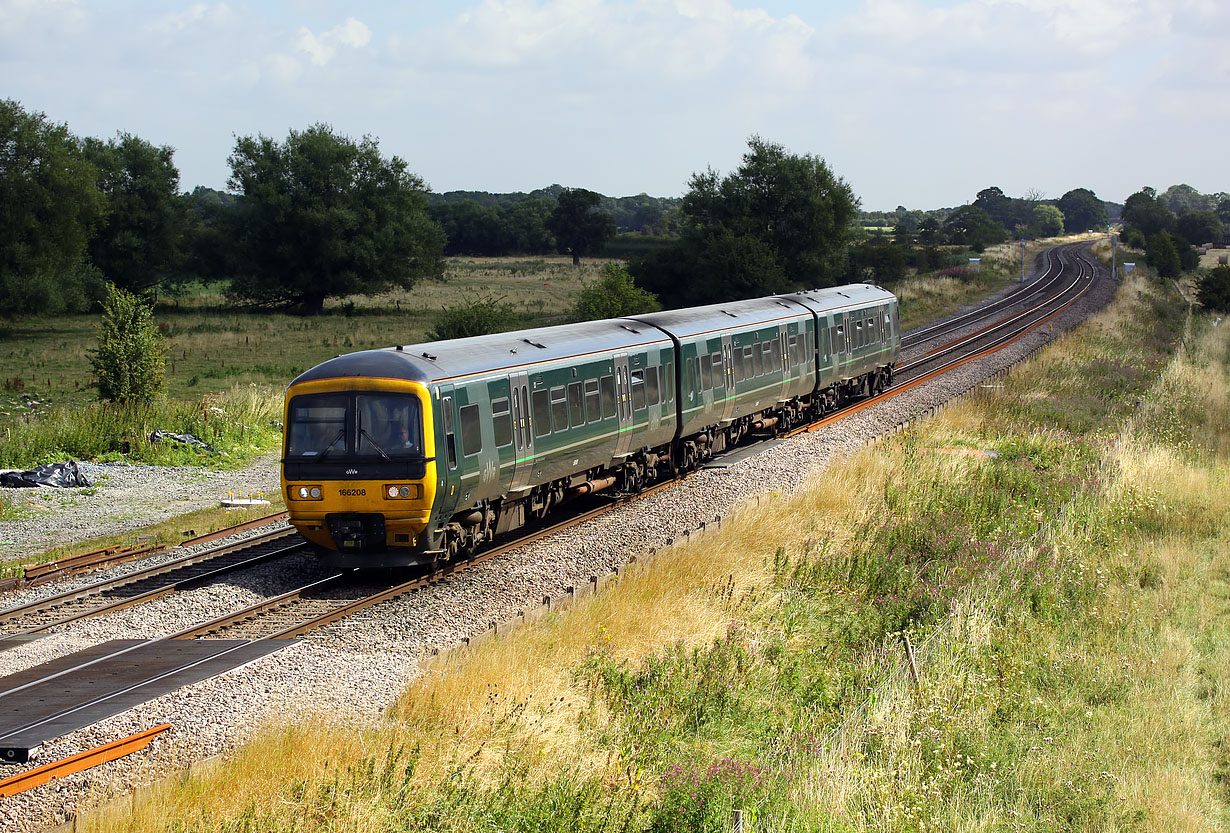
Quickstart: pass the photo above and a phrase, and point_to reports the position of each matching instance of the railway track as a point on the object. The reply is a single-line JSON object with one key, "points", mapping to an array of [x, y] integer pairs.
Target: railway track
{"points": [[337, 596], [153, 582]]}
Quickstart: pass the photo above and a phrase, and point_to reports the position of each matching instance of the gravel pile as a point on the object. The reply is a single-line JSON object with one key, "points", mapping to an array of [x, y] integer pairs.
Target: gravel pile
{"points": [[354, 669]]}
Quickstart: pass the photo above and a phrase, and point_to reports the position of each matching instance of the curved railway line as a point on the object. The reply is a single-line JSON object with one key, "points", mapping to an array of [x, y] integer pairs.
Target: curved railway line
{"points": [[1066, 276]]}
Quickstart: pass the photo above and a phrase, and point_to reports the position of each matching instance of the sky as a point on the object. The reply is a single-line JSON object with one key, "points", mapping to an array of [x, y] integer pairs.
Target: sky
{"points": [[920, 103]]}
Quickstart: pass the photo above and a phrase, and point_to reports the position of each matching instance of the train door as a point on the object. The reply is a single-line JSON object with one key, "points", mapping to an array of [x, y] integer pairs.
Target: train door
{"points": [[623, 404], [728, 377], [447, 472], [785, 361], [523, 433], [841, 340]]}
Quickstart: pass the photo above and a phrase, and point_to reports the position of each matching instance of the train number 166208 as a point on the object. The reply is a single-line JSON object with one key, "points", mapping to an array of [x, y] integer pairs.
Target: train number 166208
{"points": [[352, 492]]}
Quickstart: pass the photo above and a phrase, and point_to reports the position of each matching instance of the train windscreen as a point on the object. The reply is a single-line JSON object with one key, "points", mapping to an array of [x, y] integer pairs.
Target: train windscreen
{"points": [[354, 425]]}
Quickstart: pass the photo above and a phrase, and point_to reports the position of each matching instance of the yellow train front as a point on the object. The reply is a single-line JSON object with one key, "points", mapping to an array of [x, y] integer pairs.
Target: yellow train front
{"points": [[358, 467]]}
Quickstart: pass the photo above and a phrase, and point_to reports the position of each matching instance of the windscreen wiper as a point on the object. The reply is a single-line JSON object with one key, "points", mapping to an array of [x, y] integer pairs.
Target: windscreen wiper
{"points": [[340, 433], [375, 445]]}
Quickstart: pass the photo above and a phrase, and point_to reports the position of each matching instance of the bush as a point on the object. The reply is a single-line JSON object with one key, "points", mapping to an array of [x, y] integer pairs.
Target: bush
{"points": [[1213, 290], [130, 362], [480, 316], [613, 295]]}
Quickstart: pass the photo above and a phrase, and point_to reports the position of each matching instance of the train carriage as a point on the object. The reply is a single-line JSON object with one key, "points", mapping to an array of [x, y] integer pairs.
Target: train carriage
{"points": [[496, 430], [738, 362]]}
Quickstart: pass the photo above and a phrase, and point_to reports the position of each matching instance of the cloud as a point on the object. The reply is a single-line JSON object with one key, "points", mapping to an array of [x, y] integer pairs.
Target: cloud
{"points": [[353, 33], [18, 16], [191, 16]]}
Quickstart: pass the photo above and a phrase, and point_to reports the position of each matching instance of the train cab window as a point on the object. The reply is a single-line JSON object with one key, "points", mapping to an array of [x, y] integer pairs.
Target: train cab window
{"points": [[607, 386], [317, 425], [576, 404], [638, 390], [652, 384], [593, 402], [388, 426], [471, 431], [501, 421], [542, 413], [706, 372], [559, 408]]}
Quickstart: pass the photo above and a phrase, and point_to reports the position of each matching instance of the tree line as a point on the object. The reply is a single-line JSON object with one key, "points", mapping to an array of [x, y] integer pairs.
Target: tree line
{"points": [[320, 215]]}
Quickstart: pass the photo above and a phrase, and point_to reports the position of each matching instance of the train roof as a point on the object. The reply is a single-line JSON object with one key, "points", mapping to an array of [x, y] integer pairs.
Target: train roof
{"points": [[460, 357], [839, 297], [694, 321]]}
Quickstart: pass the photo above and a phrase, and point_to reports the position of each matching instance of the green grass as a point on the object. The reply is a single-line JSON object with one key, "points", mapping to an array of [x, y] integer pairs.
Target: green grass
{"points": [[213, 347]]}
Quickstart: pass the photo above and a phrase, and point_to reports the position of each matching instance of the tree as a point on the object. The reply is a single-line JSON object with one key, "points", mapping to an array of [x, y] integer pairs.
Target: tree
{"points": [[613, 295], [1213, 289], [130, 362], [578, 226], [1082, 211], [523, 226], [49, 207], [1223, 211], [929, 231], [792, 203], [1146, 213], [1163, 256], [1047, 221], [139, 245], [971, 226], [1004, 210], [324, 216], [1199, 227]]}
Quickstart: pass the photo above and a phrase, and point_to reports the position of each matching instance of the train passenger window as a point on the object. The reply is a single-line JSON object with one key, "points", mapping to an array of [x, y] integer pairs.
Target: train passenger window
{"points": [[638, 390], [608, 396], [450, 432], [766, 352], [668, 395], [559, 408], [757, 362], [776, 350], [719, 375], [501, 420], [795, 356], [471, 431], [593, 403], [873, 334], [652, 384], [542, 413], [706, 372], [737, 364], [576, 404]]}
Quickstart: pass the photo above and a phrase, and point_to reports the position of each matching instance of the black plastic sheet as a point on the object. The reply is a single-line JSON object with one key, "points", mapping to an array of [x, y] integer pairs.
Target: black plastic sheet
{"points": [[55, 475], [186, 439]]}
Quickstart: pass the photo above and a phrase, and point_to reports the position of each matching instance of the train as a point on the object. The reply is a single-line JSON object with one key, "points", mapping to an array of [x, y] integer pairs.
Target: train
{"points": [[423, 453]]}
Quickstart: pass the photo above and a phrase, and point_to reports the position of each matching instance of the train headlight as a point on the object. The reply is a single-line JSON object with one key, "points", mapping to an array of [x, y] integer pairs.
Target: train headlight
{"points": [[305, 492], [394, 491]]}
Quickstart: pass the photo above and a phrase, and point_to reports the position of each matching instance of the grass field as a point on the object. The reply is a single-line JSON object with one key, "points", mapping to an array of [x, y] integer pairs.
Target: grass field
{"points": [[212, 348], [1066, 596]]}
